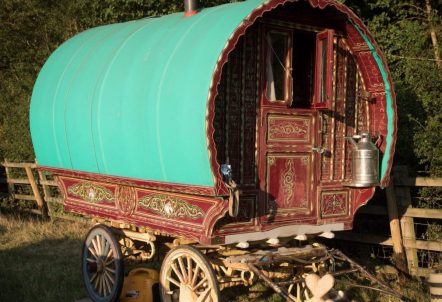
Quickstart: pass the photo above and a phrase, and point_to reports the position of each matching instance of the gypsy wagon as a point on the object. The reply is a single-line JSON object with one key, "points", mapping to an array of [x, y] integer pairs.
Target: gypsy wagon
{"points": [[214, 132]]}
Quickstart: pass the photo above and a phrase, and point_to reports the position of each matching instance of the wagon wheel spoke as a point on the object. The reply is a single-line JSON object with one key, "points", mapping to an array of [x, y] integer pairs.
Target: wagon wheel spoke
{"points": [[93, 252], [110, 270], [96, 251], [189, 269], [205, 296], [103, 245], [90, 260], [183, 270], [187, 275], [195, 276], [177, 273], [201, 283], [108, 276], [174, 282], [108, 282]]}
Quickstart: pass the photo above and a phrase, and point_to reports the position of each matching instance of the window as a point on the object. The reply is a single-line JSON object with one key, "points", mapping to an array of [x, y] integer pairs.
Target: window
{"points": [[303, 68], [278, 66], [299, 68], [324, 70]]}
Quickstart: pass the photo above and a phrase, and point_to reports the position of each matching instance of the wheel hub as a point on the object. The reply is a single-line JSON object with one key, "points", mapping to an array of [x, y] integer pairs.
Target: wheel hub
{"points": [[100, 265]]}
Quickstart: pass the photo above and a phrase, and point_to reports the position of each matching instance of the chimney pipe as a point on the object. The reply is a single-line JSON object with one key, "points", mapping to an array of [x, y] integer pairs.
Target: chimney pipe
{"points": [[190, 7]]}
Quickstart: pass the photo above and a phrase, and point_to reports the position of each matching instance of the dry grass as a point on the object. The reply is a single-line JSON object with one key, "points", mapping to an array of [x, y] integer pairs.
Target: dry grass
{"points": [[40, 260]]}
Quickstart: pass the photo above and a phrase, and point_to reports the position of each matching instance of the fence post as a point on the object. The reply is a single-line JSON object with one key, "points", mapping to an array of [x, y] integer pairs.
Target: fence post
{"points": [[407, 223], [8, 177], [46, 191], [40, 202], [395, 228]]}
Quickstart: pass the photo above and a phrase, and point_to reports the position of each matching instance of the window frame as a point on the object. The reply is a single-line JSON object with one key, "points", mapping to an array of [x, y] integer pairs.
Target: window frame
{"points": [[288, 33], [324, 87]]}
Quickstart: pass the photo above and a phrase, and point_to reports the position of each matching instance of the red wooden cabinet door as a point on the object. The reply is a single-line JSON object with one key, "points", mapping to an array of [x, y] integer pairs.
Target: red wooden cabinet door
{"points": [[287, 164]]}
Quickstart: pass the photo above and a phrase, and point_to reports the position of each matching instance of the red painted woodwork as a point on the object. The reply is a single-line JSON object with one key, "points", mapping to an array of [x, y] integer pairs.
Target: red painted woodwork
{"points": [[335, 203], [154, 185], [324, 70], [175, 214]]}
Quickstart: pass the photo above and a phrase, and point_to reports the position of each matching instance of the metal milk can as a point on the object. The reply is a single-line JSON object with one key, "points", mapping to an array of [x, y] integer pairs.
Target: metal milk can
{"points": [[365, 161]]}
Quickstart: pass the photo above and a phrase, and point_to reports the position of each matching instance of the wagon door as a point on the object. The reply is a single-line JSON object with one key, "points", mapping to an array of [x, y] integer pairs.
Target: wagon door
{"points": [[290, 126]]}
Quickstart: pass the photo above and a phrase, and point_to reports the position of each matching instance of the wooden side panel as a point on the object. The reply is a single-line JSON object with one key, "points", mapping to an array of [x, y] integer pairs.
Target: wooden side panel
{"points": [[176, 214], [235, 112], [350, 115], [235, 127]]}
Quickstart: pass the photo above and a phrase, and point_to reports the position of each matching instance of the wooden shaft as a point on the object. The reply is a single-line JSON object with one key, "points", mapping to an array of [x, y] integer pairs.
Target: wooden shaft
{"points": [[281, 291]]}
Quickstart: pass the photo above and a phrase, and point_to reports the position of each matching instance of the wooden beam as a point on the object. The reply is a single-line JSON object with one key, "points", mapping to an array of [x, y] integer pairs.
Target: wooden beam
{"points": [[435, 246], [23, 197], [404, 181], [7, 164], [422, 213], [18, 181], [403, 197], [395, 228]]}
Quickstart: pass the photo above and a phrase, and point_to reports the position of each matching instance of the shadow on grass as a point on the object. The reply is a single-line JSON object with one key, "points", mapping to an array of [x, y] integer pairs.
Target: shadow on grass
{"points": [[48, 270]]}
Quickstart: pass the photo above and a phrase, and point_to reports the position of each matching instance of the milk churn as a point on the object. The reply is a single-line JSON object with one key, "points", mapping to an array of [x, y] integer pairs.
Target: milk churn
{"points": [[365, 161]]}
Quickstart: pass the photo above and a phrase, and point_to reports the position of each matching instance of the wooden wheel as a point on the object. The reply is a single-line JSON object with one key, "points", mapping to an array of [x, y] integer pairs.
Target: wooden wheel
{"points": [[102, 265], [187, 276]]}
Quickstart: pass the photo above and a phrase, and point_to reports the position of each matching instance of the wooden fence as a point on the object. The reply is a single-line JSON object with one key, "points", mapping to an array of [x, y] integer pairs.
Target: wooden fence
{"points": [[403, 226], [26, 183]]}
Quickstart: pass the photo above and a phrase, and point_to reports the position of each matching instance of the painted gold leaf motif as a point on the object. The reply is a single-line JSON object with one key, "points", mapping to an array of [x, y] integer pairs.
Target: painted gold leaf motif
{"points": [[91, 192], [287, 128], [288, 182], [126, 200], [171, 207], [334, 204]]}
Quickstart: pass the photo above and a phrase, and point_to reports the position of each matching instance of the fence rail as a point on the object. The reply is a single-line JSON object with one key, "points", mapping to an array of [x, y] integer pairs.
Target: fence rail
{"points": [[402, 238]]}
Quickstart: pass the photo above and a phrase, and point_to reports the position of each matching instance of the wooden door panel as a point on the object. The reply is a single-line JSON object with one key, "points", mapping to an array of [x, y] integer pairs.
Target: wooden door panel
{"points": [[289, 179], [289, 129]]}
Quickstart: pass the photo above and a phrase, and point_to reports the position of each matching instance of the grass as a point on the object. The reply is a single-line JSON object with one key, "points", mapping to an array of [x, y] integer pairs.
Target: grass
{"points": [[40, 261]]}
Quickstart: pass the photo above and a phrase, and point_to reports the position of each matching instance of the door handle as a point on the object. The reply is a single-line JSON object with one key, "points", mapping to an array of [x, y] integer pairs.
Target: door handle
{"points": [[318, 149]]}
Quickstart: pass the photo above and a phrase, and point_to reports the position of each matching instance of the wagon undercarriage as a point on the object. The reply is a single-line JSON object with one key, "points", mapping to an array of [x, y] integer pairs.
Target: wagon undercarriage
{"points": [[194, 272]]}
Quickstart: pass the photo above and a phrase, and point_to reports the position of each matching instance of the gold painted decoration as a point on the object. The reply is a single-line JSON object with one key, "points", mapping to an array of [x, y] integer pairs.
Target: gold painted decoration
{"points": [[171, 207], [126, 200], [288, 182], [91, 192], [334, 204], [283, 129]]}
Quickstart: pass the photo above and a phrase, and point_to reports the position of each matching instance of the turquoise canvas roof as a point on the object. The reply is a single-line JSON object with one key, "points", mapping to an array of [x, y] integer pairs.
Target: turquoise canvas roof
{"points": [[130, 99]]}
